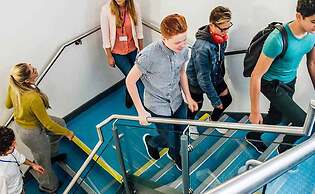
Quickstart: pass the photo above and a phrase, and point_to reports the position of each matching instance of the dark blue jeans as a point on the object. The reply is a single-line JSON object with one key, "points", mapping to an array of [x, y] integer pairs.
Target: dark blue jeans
{"points": [[169, 134], [125, 62], [281, 107]]}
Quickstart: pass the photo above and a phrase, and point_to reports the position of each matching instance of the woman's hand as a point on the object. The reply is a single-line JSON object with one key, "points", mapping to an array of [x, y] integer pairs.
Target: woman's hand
{"points": [[38, 168], [70, 136], [111, 61]]}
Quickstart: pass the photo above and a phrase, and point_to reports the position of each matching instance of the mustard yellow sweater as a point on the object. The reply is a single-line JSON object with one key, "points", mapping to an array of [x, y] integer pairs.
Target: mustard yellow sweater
{"points": [[30, 112]]}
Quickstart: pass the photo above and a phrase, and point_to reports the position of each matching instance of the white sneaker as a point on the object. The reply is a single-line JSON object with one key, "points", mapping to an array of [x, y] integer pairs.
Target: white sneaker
{"points": [[222, 131], [193, 132]]}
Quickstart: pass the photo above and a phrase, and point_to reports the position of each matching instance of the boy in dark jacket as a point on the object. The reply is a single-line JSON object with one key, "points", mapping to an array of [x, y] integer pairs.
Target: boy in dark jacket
{"points": [[205, 69]]}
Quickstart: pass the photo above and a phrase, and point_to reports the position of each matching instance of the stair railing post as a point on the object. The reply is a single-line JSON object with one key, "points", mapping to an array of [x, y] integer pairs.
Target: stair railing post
{"points": [[309, 121], [120, 158], [185, 163]]}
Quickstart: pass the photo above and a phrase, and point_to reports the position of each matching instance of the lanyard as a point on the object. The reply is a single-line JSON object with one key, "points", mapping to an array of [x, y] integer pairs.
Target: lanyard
{"points": [[124, 19], [9, 161]]}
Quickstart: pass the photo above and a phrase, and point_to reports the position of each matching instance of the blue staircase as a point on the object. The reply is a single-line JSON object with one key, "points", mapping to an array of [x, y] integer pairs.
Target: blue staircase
{"points": [[213, 158]]}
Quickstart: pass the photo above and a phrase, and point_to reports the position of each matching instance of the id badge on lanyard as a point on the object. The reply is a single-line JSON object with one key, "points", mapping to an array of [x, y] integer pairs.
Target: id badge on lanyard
{"points": [[123, 37]]}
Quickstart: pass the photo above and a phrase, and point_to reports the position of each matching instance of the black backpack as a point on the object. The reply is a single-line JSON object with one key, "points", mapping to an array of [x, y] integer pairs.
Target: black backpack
{"points": [[257, 43]]}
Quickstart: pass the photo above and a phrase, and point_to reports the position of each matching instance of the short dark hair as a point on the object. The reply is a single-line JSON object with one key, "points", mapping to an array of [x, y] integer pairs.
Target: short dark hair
{"points": [[306, 7], [7, 138], [220, 13]]}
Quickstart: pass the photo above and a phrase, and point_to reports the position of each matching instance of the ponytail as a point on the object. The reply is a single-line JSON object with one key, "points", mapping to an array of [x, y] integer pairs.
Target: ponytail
{"points": [[19, 74]]}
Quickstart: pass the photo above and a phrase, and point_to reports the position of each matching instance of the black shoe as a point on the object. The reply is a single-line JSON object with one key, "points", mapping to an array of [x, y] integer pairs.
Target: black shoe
{"points": [[152, 152], [288, 142], [282, 148], [128, 100], [177, 160], [256, 143], [59, 157]]}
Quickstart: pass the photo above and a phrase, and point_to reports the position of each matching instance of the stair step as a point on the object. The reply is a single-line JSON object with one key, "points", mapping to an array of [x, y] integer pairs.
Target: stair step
{"points": [[71, 173], [166, 170], [229, 168], [212, 154]]}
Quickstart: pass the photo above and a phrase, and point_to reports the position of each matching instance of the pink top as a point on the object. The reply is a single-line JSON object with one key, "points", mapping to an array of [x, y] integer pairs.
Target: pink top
{"points": [[108, 26], [126, 46]]}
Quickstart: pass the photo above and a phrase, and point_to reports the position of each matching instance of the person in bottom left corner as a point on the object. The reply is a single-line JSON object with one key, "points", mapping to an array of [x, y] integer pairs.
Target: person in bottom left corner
{"points": [[11, 181], [40, 132]]}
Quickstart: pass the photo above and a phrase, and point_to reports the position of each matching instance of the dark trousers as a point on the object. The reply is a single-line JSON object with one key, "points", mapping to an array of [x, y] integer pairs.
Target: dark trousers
{"points": [[216, 114], [281, 107], [125, 62], [169, 134]]}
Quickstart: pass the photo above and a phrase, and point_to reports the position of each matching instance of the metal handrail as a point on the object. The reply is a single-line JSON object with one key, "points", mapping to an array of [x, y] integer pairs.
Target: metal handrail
{"points": [[42, 74], [305, 130], [263, 174]]}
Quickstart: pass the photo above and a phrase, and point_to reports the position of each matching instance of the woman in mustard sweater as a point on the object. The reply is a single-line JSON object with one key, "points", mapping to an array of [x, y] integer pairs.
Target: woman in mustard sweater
{"points": [[39, 131]]}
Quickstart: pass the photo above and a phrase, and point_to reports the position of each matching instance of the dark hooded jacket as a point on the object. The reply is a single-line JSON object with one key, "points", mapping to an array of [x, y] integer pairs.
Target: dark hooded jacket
{"points": [[206, 65]]}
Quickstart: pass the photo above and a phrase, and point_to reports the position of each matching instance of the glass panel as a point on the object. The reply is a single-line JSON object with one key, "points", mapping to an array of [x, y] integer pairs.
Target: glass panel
{"points": [[220, 156], [137, 161], [243, 154], [299, 179], [97, 179]]}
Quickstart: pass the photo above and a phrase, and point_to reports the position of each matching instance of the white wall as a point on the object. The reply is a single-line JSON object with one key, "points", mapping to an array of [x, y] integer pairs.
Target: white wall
{"points": [[249, 16], [32, 31]]}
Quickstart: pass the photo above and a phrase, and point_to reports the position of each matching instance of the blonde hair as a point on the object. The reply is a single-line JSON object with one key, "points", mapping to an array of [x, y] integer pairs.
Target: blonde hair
{"points": [[130, 5], [20, 73], [172, 25]]}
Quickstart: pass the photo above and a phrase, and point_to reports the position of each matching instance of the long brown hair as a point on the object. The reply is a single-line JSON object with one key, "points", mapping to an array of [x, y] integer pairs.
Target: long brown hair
{"points": [[130, 5], [19, 75]]}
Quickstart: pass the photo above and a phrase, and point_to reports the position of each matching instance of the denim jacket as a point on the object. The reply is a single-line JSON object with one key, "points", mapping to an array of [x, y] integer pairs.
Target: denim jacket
{"points": [[206, 66]]}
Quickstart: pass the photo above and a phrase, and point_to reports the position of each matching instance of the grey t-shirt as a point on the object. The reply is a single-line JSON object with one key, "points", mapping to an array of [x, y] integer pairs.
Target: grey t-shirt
{"points": [[160, 69]]}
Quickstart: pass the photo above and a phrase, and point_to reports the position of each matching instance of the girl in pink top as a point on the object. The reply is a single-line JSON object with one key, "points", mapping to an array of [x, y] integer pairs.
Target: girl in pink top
{"points": [[122, 35]]}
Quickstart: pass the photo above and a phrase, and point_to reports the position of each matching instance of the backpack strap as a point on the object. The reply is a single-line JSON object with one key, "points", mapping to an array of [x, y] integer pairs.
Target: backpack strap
{"points": [[284, 35]]}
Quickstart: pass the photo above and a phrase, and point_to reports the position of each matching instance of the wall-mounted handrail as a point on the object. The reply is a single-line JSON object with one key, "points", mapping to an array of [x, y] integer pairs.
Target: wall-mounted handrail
{"points": [[43, 73], [236, 126], [263, 174], [76, 40]]}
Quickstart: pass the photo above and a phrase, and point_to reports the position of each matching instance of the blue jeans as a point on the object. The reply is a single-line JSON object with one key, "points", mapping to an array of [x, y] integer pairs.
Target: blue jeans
{"points": [[169, 134], [125, 62]]}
